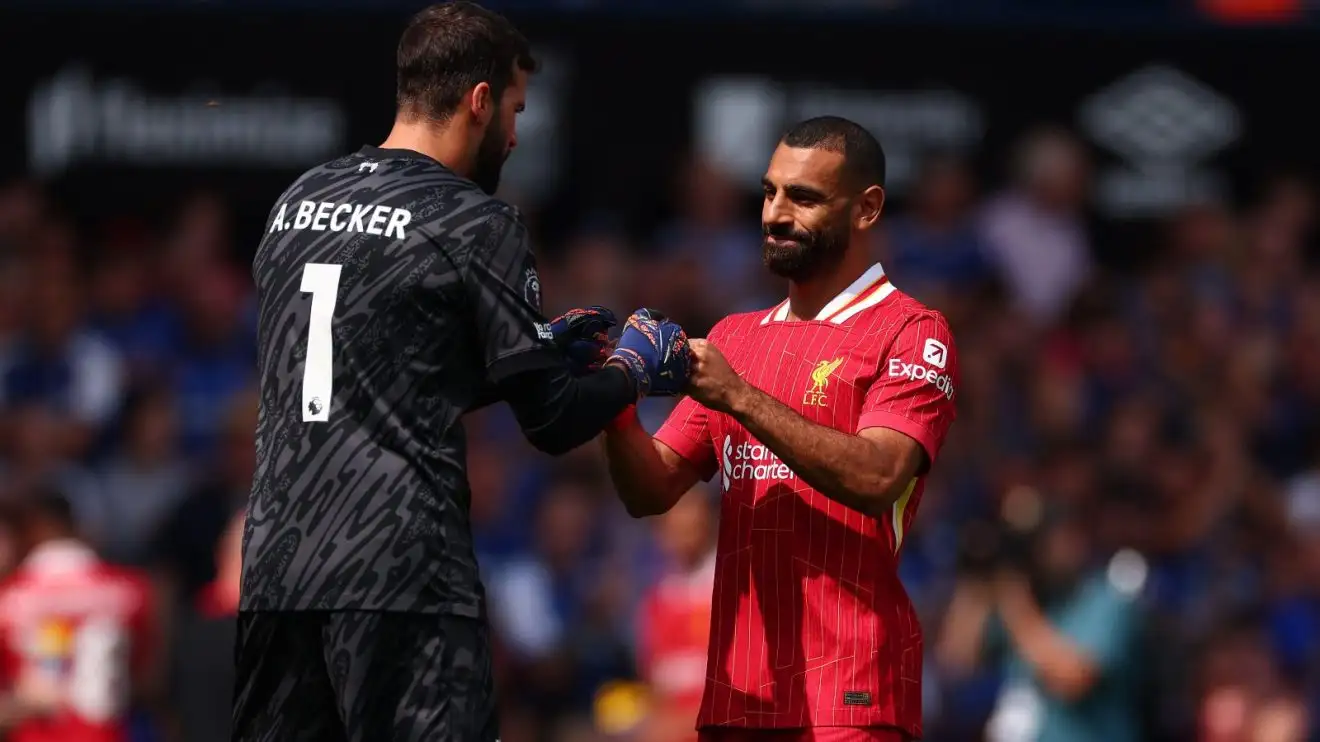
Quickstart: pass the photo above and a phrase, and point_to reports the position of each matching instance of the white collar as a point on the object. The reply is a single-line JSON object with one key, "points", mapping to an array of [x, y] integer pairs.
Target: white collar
{"points": [[842, 306]]}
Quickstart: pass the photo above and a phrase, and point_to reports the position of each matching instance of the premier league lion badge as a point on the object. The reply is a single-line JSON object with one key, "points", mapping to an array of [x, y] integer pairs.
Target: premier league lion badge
{"points": [[532, 288]]}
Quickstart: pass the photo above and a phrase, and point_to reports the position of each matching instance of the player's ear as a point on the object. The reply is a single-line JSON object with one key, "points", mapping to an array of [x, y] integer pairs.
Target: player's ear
{"points": [[483, 103], [868, 207]]}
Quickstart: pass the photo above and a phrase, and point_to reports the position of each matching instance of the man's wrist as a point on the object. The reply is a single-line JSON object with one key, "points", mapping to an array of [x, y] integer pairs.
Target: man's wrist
{"points": [[631, 365], [741, 398], [623, 420], [622, 366]]}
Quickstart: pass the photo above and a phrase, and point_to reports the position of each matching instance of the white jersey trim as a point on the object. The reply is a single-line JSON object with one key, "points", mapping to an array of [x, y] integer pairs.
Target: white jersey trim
{"points": [[855, 289]]}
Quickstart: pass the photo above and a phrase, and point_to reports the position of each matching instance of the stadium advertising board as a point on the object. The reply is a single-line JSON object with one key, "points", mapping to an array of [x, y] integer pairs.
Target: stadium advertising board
{"points": [[75, 119], [243, 103]]}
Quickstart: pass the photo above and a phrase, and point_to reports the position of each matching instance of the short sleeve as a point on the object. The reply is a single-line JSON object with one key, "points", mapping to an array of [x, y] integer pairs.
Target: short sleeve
{"points": [[504, 294], [687, 431], [914, 389]]}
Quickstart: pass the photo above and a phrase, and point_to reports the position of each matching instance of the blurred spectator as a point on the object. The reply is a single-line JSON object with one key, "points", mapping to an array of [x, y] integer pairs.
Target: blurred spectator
{"points": [[216, 358], [187, 542], [76, 632], [553, 609], [202, 666], [675, 627], [23, 211], [144, 480], [127, 310], [11, 294], [716, 240], [594, 264], [214, 352], [1243, 695], [57, 364], [1068, 635], [1035, 232], [34, 459], [934, 245]]}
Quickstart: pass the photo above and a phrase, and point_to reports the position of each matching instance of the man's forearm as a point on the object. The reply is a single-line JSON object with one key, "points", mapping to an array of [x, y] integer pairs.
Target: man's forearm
{"points": [[646, 485], [962, 637], [1062, 667], [559, 412], [842, 466]]}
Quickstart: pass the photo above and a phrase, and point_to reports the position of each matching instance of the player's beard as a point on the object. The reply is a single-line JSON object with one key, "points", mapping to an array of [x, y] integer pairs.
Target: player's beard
{"points": [[814, 253], [491, 154]]}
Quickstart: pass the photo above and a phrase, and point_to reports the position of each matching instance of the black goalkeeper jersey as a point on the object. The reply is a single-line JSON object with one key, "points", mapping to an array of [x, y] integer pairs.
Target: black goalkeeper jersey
{"points": [[393, 294]]}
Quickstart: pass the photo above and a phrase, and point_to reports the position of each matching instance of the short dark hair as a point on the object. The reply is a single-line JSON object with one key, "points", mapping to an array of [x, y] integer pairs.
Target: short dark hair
{"points": [[448, 48], [863, 158]]}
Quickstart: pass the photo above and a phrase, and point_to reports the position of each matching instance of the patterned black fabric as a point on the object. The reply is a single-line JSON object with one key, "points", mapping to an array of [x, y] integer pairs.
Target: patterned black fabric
{"points": [[362, 676], [392, 295]]}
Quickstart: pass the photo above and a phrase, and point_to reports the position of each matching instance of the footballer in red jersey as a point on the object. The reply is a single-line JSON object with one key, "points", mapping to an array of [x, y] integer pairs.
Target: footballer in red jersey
{"points": [[820, 418], [73, 634]]}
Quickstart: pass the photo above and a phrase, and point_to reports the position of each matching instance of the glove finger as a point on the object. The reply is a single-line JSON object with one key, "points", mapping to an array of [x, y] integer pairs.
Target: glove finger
{"points": [[583, 323], [595, 327], [639, 323], [605, 314], [651, 314]]}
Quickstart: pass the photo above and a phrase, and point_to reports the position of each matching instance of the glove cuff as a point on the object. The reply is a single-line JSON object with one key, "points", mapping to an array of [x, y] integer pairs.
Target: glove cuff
{"points": [[633, 364]]}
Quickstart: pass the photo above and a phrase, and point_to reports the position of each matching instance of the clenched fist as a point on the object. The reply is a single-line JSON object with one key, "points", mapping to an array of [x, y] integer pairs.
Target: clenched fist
{"points": [[712, 381]]}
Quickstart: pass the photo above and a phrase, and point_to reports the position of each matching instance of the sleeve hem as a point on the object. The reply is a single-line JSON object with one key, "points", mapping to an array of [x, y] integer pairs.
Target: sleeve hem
{"points": [[911, 428], [691, 450]]}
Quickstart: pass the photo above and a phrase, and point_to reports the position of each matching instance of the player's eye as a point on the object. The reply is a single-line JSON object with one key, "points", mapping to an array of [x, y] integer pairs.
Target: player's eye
{"points": [[804, 196]]}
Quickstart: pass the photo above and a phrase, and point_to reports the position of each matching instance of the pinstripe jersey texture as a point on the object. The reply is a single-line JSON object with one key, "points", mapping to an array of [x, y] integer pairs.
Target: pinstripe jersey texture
{"points": [[391, 293], [810, 625]]}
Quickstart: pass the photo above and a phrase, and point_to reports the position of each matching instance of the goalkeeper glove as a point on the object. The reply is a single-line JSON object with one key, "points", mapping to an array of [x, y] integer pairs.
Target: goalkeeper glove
{"points": [[583, 336], [654, 351]]}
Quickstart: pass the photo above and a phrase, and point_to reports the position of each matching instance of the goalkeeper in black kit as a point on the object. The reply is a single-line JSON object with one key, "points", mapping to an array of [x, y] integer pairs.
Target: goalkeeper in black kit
{"points": [[395, 294]]}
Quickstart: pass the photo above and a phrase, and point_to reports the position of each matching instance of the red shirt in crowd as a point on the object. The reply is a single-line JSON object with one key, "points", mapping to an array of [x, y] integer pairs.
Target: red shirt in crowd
{"points": [[78, 626], [675, 638]]}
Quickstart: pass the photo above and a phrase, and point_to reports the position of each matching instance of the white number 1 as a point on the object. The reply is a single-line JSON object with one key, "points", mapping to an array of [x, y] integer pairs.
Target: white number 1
{"points": [[321, 280]]}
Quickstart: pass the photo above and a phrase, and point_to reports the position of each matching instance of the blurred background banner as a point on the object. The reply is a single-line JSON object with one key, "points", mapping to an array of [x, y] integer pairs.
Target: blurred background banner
{"points": [[1113, 202], [241, 102], [1090, 13]]}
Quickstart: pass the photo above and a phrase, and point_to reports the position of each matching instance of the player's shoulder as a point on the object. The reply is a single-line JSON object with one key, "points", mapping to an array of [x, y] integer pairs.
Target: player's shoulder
{"points": [[913, 309], [397, 177], [735, 327], [899, 312]]}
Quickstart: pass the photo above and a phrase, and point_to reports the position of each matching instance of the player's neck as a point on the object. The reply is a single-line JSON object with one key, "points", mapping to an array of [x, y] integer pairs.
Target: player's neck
{"points": [[440, 143], [807, 298]]}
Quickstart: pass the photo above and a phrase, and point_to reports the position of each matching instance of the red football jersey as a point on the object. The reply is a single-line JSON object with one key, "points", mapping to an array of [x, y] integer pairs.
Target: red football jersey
{"points": [[74, 623], [675, 638], [810, 624]]}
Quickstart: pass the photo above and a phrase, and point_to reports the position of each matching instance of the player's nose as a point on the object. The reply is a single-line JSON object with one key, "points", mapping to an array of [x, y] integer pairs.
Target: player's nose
{"points": [[776, 211]]}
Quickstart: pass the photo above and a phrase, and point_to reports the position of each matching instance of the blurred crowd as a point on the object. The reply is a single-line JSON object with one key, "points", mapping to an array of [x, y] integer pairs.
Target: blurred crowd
{"points": [[1156, 393]]}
